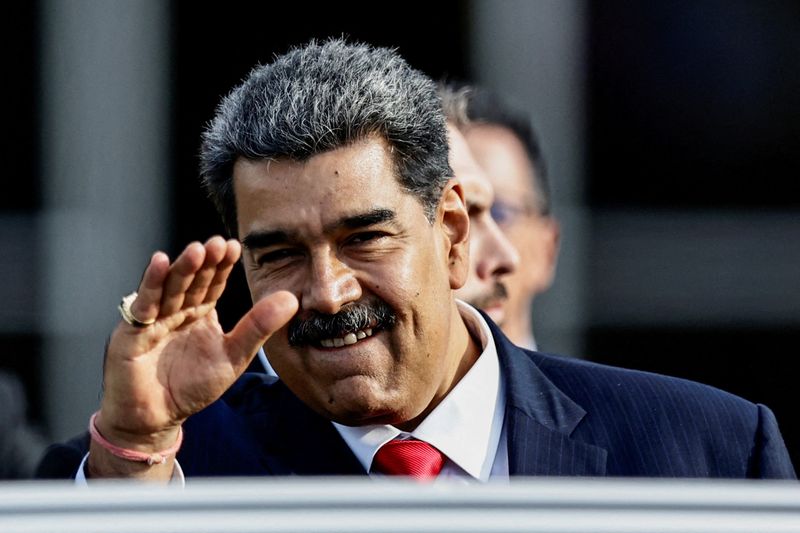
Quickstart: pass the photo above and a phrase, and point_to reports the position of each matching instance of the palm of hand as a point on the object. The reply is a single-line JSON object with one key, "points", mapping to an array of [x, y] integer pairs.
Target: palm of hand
{"points": [[166, 374], [157, 376]]}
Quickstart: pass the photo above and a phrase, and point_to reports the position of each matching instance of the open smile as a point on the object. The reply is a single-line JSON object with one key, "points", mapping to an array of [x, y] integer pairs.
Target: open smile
{"points": [[349, 339]]}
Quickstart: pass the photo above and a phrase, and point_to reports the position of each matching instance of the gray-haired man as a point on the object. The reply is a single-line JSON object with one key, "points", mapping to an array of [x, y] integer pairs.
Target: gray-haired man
{"points": [[330, 167]]}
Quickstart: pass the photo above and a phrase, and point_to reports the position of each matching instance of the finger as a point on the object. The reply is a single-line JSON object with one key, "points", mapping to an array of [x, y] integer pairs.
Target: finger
{"points": [[266, 317], [215, 253], [217, 285], [180, 277], [147, 303]]}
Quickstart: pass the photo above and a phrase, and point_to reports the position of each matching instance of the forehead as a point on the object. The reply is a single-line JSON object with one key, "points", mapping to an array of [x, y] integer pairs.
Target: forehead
{"points": [[477, 187], [306, 196], [503, 156]]}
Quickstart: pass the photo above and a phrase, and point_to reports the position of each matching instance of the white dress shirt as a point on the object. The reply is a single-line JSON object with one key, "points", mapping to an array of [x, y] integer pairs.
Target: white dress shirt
{"points": [[262, 357]]}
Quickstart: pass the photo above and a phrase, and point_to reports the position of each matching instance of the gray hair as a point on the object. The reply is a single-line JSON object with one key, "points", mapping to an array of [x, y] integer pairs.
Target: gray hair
{"points": [[324, 96], [455, 103]]}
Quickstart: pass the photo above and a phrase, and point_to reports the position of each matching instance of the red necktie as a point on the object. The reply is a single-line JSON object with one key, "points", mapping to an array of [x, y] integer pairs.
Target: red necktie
{"points": [[408, 457]]}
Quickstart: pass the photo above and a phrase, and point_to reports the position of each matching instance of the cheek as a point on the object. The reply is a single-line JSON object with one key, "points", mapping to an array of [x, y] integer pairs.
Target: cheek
{"points": [[414, 285], [255, 282], [476, 252], [260, 285], [527, 242], [256, 291], [397, 279], [397, 288]]}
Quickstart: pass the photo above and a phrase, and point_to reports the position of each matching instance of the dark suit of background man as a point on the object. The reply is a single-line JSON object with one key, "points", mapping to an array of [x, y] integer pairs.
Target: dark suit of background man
{"points": [[330, 168]]}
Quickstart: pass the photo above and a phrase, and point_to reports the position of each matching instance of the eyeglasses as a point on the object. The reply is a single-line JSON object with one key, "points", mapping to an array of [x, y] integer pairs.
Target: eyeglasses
{"points": [[506, 213]]}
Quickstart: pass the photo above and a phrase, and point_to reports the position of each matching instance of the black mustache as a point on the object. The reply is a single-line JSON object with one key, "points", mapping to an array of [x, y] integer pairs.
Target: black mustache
{"points": [[499, 292], [354, 317]]}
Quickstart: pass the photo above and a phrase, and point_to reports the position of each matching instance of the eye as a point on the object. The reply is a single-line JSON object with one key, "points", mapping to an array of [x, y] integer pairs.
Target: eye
{"points": [[506, 214], [365, 237], [501, 213], [276, 256]]}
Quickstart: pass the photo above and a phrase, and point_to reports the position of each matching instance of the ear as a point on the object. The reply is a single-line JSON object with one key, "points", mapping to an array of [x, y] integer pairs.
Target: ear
{"points": [[454, 219]]}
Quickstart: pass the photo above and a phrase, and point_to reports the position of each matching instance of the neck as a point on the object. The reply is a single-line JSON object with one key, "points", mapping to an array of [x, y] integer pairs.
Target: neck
{"points": [[518, 327]]}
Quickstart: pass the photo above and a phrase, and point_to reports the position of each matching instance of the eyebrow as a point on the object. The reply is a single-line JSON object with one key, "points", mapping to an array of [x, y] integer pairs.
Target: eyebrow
{"points": [[376, 216], [264, 239]]}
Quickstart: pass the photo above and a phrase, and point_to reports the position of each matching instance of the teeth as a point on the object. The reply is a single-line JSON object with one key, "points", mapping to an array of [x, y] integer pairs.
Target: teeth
{"points": [[350, 338]]}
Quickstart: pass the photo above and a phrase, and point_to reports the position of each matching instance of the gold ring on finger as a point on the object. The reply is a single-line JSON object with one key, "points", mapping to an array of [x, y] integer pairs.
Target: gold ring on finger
{"points": [[127, 315]]}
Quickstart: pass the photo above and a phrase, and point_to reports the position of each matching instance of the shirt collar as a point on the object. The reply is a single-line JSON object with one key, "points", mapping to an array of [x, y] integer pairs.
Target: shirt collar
{"points": [[465, 426]]}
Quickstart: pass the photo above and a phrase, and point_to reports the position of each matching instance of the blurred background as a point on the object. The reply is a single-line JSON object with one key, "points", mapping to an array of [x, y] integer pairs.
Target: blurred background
{"points": [[671, 132]]}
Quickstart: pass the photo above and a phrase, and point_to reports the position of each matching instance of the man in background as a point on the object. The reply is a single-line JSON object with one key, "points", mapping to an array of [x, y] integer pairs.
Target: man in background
{"points": [[492, 258], [505, 146]]}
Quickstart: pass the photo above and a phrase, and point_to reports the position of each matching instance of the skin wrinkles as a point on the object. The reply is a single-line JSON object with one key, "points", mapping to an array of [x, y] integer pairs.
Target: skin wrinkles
{"points": [[360, 238]]}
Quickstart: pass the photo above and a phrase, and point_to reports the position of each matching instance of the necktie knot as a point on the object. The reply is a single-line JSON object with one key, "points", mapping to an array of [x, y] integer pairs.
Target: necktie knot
{"points": [[409, 457]]}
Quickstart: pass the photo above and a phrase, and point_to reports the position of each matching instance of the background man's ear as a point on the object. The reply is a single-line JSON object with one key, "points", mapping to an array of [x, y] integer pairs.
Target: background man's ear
{"points": [[454, 218], [553, 236]]}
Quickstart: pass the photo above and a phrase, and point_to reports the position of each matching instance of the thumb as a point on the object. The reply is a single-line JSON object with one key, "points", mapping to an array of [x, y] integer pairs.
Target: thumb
{"points": [[267, 316]]}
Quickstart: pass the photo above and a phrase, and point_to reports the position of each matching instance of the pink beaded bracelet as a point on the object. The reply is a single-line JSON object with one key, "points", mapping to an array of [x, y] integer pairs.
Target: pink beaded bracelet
{"points": [[132, 455]]}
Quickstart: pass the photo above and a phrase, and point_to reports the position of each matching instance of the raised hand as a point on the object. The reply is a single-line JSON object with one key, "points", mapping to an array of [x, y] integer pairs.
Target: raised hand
{"points": [[157, 376]]}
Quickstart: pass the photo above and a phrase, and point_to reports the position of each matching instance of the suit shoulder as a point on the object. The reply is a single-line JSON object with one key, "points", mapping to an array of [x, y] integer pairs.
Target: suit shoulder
{"points": [[651, 396], [654, 424], [61, 460], [697, 429]]}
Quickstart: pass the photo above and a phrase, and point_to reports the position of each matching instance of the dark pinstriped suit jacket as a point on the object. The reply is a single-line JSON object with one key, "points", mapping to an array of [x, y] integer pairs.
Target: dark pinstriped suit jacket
{"points": [[564, 417]]}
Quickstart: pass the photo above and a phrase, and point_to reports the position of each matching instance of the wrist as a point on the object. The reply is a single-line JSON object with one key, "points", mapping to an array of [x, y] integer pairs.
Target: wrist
{"points": [[135, 427], [152, 448]]}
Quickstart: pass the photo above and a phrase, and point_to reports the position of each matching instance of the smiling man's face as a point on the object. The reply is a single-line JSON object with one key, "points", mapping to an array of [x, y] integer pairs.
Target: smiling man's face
{"points": [[377, 338]]}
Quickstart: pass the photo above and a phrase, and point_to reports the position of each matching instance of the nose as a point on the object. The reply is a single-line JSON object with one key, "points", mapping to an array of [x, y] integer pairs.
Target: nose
{"points": [[331, 284], [499, 256]]}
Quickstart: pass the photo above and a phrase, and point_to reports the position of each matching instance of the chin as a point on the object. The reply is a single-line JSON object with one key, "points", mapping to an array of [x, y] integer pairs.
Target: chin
{"points": [[496, 313], [363, 415], [362, 419], [357, 401]]}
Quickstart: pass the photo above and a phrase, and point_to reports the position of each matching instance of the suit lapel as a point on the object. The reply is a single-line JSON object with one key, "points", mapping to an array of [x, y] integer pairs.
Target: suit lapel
{"points": [[540, 419], [536, 450]]}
